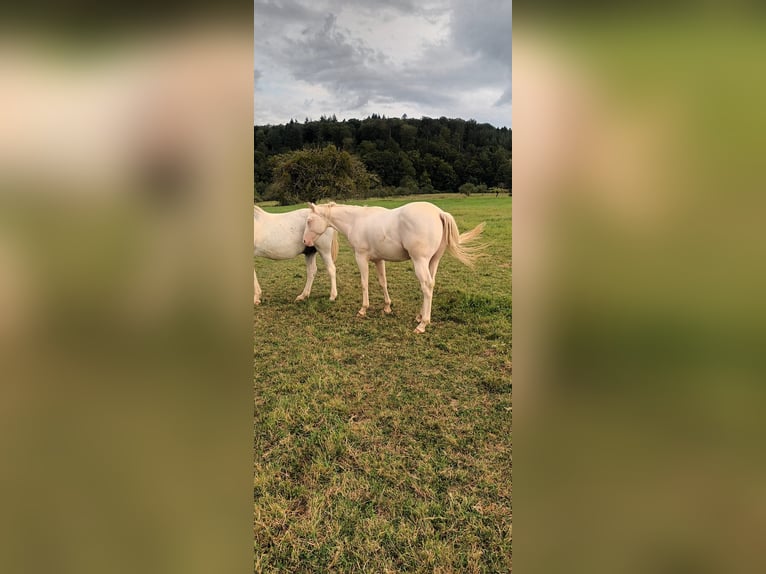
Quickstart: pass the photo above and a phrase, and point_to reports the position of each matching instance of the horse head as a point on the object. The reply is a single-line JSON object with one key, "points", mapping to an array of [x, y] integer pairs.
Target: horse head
{"points": [[316, 223]]}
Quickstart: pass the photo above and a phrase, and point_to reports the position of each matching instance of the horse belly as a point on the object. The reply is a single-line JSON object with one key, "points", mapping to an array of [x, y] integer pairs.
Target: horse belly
{"points": [[282, 244], [389, 252]]}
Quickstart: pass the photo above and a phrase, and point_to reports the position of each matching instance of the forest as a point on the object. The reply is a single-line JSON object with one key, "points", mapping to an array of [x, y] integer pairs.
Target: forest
{"points": [[403, 155]]}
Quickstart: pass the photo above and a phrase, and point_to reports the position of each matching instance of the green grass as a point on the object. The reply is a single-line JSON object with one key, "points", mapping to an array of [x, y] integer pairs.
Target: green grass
{"points": [[377, 449]]}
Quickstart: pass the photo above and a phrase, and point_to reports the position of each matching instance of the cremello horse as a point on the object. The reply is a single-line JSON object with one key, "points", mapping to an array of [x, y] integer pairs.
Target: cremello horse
{"points": [[280, 236], [419, 231]]}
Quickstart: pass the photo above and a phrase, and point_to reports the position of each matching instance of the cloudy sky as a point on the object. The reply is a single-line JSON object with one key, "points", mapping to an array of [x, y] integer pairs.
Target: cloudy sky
{"points": [[353, 58]]}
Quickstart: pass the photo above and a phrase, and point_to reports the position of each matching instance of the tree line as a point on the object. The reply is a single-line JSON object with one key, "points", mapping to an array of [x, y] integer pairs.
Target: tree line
{"points": [[379, 156]]}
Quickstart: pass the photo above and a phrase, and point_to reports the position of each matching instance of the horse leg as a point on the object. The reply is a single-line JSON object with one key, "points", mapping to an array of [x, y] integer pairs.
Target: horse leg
{"points": [[256, 290], [330, 265], [311, 271], [427, 287], [364, 272], [380, 267], [433, 266]]}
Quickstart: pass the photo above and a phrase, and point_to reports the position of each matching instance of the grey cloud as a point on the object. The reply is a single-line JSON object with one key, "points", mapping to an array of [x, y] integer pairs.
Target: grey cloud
{"points": [[505, 99], [304, 39], [331, 57], [424, 8], [294, 11], [485, 31], [281, 10]]}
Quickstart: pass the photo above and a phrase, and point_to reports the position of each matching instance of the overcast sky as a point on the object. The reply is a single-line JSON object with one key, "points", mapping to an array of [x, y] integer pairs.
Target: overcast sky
{"points": [[353, 58]]}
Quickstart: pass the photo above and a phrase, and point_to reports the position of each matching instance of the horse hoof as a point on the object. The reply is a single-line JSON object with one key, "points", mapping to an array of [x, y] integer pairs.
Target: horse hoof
{"points": [[257, 302], [299, 298], [420, 329], [387, 310]]}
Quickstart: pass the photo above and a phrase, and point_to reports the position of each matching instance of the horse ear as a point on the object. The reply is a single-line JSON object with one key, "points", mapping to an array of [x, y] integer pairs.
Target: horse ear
{"points": [[313, 207]]}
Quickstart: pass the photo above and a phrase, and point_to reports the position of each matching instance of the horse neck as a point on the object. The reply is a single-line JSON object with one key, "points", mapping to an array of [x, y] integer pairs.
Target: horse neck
{"points": [[342, 217]]}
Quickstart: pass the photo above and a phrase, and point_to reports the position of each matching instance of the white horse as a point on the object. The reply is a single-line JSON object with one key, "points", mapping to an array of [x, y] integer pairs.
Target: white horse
{"points": [[280, 236], [419, 231]]}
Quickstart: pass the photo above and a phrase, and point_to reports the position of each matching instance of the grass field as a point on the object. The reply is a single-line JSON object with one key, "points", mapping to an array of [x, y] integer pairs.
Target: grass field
{"points": [[377, 449]]}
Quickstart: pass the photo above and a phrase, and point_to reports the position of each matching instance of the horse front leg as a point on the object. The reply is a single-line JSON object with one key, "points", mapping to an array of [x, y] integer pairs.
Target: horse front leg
{"points": [[380, 267], [256, 290], [330, 265], [364, 273], [311, 271], [427, 287]]}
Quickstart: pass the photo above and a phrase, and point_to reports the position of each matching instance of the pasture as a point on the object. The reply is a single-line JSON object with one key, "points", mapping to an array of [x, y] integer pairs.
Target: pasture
{"points": [[378, 449]]}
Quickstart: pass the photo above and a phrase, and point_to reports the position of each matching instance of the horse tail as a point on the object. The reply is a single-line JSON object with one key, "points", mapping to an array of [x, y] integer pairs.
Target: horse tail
{"points": [[334, 248], [457, 242]]}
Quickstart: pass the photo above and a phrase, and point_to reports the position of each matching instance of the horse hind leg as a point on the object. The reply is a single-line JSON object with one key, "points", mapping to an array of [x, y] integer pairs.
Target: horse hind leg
{"points": [[256, 290], [433, 265], [364, 275], [331, 271], [380, 268], [423, 274], [311, 271]]}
